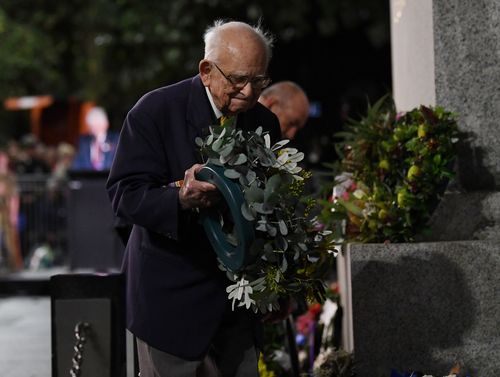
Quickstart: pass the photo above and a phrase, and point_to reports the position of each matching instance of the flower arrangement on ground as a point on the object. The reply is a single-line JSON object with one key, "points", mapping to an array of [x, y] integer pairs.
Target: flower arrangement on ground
{"points": [[292, 252], [392, 171]]}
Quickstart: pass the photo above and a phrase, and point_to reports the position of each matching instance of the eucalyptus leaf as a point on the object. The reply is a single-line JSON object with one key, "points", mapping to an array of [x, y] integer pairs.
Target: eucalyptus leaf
{"points": [[254, 194], [284, 265], [243, 180], [261, 227], [312, 259], [271, 200], [223, 132], [271, 230], [281, 243], [296, 255], [277, 277], [217, 145], [283, 227], [231, 173], [260, 208], [251, 175], [223, 159], [227, 149], [214, 161], [247, 213], [267, 140], [273, 183], [238, 160], [198, 141]]}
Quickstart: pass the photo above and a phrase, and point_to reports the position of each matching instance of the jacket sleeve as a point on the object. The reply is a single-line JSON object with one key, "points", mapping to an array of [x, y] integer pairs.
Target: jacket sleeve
{"points": [[138, 181]]}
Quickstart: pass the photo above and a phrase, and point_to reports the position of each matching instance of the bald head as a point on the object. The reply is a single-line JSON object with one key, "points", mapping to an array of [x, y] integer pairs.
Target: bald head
{"points": [[234, 68], [233, 37], [290, 104]]}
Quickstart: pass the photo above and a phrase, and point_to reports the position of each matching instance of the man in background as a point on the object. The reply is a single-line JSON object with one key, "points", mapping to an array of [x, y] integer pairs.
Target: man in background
{"points": [[289, 102], [97, 148]]}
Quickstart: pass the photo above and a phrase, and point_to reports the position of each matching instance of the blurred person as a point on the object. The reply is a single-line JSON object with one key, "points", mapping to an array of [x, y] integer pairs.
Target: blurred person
{"points": [[177, 304], [65, 154], [10, 248], [96, 149], [290, 104], [28, 160]]}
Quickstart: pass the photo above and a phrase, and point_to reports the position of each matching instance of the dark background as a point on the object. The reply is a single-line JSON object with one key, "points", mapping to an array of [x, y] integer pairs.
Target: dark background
{"points": [[113, 51]]}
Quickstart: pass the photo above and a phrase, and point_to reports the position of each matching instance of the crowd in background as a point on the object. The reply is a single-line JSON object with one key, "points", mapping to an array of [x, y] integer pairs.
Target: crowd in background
{"points": [[33, 178]]}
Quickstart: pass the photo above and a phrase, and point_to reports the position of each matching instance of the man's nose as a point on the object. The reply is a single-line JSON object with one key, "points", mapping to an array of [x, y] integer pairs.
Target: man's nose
{"points": [[248, 89]]}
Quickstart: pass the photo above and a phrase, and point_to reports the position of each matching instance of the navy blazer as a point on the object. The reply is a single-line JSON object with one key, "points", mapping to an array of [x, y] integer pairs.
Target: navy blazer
{"points": [[176, 295]]}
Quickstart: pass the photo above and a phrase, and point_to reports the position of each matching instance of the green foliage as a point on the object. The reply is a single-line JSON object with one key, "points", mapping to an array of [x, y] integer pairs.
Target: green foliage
{"points": [[27, 62], [335, 363], [114, 51], [291, 252], [394, 169]]}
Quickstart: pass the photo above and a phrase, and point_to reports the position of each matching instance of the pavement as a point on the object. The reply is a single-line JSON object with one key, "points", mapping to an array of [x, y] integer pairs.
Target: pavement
{"points": [[25, 345], [25, 325]]}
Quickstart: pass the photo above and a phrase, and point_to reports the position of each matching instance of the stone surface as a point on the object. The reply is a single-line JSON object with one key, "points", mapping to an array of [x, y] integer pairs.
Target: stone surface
{"points": [[467, 74], [465, 216], [467, 82], [25, 348], [425, 306]]}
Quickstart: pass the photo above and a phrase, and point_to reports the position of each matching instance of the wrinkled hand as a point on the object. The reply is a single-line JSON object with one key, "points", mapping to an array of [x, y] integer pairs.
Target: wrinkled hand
{"points": [[197, 194]]}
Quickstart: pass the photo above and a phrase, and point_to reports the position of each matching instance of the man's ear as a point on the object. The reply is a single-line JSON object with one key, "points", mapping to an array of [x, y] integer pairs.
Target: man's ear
{"points": [[205, 69]]}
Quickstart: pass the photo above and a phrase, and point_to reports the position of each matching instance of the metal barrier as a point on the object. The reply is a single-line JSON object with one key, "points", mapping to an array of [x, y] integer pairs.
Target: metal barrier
{"points": [[42, 219]]}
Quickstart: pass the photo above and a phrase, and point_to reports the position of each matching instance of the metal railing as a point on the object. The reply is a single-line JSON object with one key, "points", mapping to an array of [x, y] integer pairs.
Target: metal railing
{"points": [[42, 216]]}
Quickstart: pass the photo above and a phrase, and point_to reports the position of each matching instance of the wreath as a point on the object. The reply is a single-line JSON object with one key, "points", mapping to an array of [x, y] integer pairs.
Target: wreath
{"points": [[393, 169], [289, 253]]}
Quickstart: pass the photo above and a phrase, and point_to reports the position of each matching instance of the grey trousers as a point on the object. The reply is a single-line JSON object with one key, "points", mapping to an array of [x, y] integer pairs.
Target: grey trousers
{"points": [[232, 354]]}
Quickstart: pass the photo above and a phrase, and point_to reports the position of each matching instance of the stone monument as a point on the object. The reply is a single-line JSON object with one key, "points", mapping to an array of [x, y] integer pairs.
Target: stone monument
{"points": [[428, 305]]}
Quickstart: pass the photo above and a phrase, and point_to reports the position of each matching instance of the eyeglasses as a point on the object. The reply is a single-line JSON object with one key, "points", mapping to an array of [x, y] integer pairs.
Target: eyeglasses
{"points": [[239, 82]]}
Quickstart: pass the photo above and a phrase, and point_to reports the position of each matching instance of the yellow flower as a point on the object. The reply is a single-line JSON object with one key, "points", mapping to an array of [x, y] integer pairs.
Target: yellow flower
{"points": [[413, 172], [263, 371], [403, 198], [382, 214], [384, 165], [422, 130]]}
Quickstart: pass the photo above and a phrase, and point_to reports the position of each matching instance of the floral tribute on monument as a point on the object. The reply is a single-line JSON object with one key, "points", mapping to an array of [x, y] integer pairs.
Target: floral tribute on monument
{"points": [[394, 167], [290, 253]]}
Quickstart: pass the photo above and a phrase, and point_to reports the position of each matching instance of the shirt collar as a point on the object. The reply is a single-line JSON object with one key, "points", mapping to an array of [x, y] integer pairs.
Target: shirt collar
{"points": [[217, 112]]}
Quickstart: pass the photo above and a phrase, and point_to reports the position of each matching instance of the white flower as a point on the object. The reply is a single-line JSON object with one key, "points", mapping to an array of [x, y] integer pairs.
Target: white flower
{"points": [[287, 160], [343, 181], [240, 291], [329, 310], [359, 194]]}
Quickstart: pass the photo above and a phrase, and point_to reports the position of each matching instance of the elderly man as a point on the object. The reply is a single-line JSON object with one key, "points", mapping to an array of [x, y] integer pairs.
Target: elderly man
{"points": [[290, 104], [176, 299]]}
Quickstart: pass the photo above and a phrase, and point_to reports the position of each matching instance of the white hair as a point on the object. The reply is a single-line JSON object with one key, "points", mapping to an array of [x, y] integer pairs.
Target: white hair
{"points": [[212, 34], [96, 115]]}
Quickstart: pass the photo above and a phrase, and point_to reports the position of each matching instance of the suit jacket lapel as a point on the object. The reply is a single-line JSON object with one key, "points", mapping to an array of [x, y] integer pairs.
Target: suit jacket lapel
{"points": [[199, 113]]}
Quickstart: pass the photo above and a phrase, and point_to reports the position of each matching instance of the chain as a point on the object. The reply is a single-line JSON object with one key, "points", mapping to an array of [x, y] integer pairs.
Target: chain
{"points": [[80, 332]]}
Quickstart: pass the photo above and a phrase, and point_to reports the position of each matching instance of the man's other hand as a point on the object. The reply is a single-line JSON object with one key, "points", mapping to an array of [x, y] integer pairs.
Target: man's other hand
{"points": [[197, 194]]}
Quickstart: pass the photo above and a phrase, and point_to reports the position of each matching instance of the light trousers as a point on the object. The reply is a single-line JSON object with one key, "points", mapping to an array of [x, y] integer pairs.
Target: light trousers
{"points": [[231, 354]]}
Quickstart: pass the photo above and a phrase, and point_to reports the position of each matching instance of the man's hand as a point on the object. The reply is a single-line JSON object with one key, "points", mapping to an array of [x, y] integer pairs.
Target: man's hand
{"points": [[197, 194]]}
